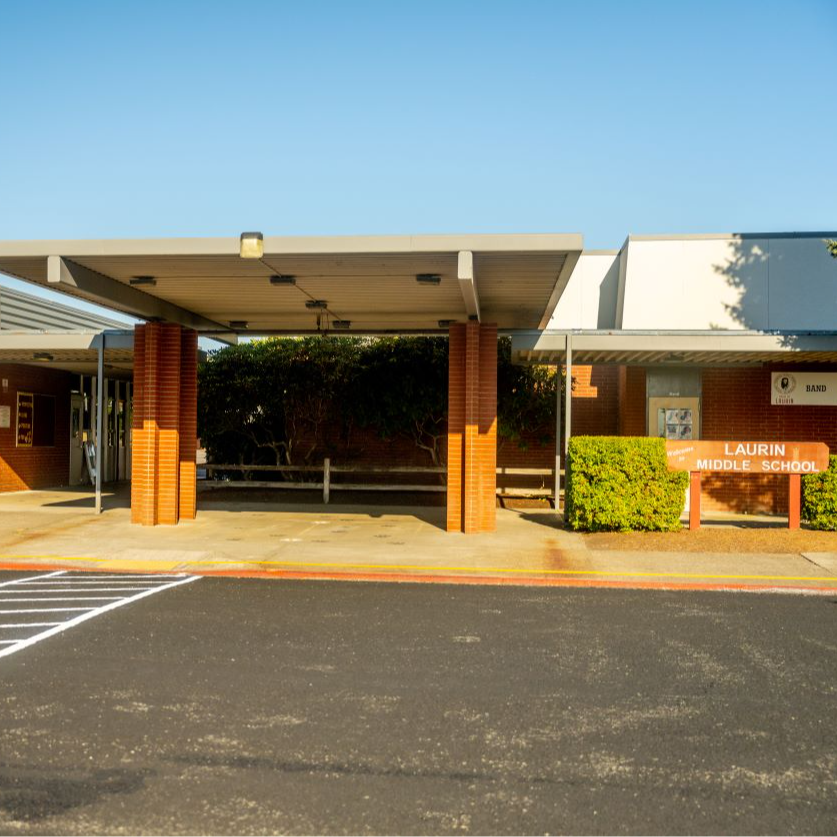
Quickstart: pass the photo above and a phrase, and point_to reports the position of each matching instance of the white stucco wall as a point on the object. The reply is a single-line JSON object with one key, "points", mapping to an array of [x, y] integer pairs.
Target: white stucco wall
{"points": [[728, 282], [589, 300]]}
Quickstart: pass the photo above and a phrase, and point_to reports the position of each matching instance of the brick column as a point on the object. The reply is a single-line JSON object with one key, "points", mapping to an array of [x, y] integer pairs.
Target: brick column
{"points": [[472, 428], [165, 411], [188, 477]]}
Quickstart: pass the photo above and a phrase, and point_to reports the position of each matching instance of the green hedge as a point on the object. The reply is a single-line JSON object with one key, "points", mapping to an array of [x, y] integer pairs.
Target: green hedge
{"points": [[819, 497], [617, 483]]}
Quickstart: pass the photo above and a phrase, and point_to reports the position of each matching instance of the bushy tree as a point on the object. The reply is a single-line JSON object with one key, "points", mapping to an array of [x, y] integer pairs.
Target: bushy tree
{"points": [[270, 402], [258, 400], [526, 399], [401, 389]]}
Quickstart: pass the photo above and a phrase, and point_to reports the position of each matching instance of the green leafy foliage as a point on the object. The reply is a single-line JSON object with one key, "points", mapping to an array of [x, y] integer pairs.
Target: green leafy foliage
{"points": [[526, 399], [401, 389], [278, 401], [831, 244], [259, 400], [819, 497], [622, 484]]}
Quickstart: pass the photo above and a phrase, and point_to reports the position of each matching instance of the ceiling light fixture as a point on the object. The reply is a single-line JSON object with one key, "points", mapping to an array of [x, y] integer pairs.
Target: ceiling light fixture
{"points": [[281, 279], [251, 245], [428, 278], [238, 323], [42, 356], [316, 303], [142, 280]]}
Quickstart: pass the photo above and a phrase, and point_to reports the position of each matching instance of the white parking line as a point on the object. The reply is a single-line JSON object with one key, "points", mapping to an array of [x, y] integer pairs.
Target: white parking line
{"points": [[44, 610], [29, 578], [59, 581], [29, 624], [12, 646], [79, 590], [64, 599]]}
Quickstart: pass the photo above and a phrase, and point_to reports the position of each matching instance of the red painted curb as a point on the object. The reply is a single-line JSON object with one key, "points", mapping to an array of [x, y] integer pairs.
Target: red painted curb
{"points": [[406, 578]]}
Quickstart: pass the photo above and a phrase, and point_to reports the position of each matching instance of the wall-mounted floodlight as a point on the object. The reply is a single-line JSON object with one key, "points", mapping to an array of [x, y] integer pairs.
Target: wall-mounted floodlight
{"points": [[428, 278], [280, 279], [251, 245], [142, 280], [341, 324], [238, 324], [446, 323], [45, 356], [316, 303]]}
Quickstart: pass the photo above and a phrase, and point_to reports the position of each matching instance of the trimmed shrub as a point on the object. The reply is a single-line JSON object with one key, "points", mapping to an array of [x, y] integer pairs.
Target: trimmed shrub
{"points": [[617, 483], [819, 497]]}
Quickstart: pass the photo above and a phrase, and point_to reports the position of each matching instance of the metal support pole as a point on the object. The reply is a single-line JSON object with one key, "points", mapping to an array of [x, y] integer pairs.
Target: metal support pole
{"points": [[568, 396], [694, 500], [326, 480], [129, 426], [558, 456], [100, 382]]}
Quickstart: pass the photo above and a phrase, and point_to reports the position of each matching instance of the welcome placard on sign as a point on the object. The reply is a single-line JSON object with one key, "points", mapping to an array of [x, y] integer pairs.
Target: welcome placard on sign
{"points": [[748, 457], [801, 388]]}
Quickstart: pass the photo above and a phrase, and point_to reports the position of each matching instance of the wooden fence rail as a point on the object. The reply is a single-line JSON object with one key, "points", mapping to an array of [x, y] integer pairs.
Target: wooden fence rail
{"points": [[327, 485]]}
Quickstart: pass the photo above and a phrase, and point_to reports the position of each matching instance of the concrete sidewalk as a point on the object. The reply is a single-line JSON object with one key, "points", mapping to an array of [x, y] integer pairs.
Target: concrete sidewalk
{"points": [[57, 530]]}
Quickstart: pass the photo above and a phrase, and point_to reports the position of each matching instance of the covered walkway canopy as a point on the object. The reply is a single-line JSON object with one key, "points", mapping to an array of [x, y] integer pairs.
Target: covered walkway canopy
{"points": [[371, 284], [466, 286], [663, 348], [704, 348]]}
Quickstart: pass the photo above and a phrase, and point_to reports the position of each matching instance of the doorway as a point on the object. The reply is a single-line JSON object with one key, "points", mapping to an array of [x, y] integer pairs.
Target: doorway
{"points": [[77, 472]]}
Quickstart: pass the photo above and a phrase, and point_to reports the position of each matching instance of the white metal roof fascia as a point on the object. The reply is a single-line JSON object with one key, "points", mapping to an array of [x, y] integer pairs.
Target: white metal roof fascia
{"points": [[680, 342], [299, 245], [44, 341]]}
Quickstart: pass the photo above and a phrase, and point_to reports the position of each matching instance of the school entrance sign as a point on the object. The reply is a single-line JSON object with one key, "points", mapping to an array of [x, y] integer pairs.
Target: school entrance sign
{"points": [[791, 458], [748, 457]]}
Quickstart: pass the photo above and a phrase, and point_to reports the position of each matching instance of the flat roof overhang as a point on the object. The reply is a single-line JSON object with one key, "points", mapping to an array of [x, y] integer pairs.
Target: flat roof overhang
{"points": [[368, 281], [70, 351], [696, 348]]}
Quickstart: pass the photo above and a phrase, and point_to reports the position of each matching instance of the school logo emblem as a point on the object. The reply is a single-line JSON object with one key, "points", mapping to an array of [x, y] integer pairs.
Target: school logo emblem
{"points": [[784, 384]]}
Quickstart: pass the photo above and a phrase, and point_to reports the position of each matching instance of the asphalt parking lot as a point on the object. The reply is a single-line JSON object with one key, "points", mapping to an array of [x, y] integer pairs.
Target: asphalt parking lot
{"points": [[263, 706]]}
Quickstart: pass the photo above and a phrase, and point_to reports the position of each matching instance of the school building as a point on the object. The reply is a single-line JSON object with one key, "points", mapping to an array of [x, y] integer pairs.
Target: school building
{"points": [[727, 337]]}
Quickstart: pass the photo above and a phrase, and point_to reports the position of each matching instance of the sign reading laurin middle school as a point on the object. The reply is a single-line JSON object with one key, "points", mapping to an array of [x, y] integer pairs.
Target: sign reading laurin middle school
{"points": [[748, 457], [803, 388]]}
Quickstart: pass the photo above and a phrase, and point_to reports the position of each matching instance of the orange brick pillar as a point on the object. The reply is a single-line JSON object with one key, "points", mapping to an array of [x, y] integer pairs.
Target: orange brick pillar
{"points": [[188, 476], [164, 440], [472, 428]]}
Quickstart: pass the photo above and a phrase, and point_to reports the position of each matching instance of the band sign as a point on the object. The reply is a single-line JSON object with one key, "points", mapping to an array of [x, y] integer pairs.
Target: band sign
{"points": [[25, 419], [748, 457], [799, 388]]}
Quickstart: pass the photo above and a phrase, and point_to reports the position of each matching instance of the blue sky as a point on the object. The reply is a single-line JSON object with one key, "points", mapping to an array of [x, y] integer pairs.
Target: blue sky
{"points": [[167, 118]]}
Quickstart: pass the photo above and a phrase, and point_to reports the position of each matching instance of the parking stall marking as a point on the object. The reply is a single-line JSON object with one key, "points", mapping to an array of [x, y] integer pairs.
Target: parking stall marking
{"points": [[136, 587]]}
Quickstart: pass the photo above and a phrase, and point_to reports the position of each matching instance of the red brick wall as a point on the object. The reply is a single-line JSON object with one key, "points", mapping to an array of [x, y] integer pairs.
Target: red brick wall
{"points": [[595, 401], [736, 406], [632, 407], [35, 467]]}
